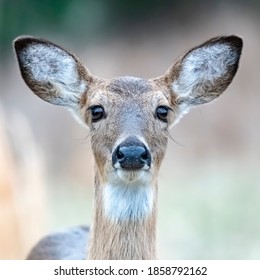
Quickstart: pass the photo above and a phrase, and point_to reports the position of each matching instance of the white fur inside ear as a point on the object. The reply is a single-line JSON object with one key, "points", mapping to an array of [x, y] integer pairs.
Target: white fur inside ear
{"points": [[203, 66], [48, 63]]}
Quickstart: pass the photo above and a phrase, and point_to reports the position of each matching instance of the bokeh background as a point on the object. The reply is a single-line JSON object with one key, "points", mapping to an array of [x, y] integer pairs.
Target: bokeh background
{"points": [[209, 200]]}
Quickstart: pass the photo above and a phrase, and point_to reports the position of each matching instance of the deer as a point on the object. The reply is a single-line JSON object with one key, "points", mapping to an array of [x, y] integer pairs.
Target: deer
{"points": [[128, 119]]}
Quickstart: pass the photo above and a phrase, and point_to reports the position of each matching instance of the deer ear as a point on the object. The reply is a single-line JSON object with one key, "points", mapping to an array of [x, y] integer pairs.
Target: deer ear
{"points": [[204, 72], [52, 73]]}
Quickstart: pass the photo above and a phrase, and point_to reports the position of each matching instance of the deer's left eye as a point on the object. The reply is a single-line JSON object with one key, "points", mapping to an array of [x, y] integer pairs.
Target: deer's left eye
{"points": [[162, 113], [97, 113]]}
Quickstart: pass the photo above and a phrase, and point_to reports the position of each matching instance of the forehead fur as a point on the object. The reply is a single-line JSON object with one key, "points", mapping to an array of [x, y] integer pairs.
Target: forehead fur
{"points": [[129, 86]]}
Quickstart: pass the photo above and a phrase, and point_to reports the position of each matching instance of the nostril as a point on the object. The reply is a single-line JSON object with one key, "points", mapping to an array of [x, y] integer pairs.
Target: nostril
{"points": [[120, 155], [144, 155]]}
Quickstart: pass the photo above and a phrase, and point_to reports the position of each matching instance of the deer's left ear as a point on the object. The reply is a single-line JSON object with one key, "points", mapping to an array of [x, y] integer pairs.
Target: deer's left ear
{"points": [[204, 72]]}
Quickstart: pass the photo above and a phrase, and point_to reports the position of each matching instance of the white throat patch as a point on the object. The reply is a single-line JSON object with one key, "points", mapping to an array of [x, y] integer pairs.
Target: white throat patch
{"points": [[127, 203]]}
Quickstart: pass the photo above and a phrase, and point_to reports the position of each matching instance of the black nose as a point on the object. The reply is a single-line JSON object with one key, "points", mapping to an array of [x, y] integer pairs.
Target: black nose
{"points": [[131, 154]]}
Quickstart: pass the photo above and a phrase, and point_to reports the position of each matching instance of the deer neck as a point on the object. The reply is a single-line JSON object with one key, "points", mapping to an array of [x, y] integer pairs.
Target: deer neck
{"points": [[124, 225]]}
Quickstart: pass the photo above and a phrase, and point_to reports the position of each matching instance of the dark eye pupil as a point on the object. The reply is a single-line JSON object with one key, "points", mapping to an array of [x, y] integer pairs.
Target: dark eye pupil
{"points": [[97, 113], [162, 113]]}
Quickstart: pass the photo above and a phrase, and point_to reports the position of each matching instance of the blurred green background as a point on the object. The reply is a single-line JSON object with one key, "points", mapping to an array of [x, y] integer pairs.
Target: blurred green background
{"points": [[209, 183]]}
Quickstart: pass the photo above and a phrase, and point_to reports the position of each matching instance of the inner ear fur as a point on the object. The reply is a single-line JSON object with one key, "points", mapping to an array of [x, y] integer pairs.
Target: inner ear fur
{"points": [[205, 71], [51, 72]]}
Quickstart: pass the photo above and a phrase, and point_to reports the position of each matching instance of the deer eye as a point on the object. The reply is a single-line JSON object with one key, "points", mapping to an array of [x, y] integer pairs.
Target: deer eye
{"points": [[97, 113], [162, 113]]}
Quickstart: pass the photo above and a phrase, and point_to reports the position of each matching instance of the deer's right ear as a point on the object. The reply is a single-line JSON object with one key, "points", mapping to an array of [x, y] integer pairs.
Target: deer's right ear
{"points": [[52, 73]]}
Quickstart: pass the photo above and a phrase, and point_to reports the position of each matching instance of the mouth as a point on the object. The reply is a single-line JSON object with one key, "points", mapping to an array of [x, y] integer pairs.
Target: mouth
{"points": [[130, 176]]}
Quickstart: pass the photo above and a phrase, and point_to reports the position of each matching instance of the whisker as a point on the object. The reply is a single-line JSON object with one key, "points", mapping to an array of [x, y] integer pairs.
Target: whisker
{"points": [[83, 140], [175, 141]]}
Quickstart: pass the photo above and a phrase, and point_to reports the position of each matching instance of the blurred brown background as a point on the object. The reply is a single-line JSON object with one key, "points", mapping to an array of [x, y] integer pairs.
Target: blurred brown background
{"points": [[209, 183]]}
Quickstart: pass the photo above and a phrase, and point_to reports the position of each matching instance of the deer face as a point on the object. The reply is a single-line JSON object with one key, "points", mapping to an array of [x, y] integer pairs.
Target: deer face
{"points": [[129, 117]]}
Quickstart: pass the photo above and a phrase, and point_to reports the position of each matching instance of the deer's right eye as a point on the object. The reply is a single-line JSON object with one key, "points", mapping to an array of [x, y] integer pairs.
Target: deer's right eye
{"points": [[97, 113]]}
